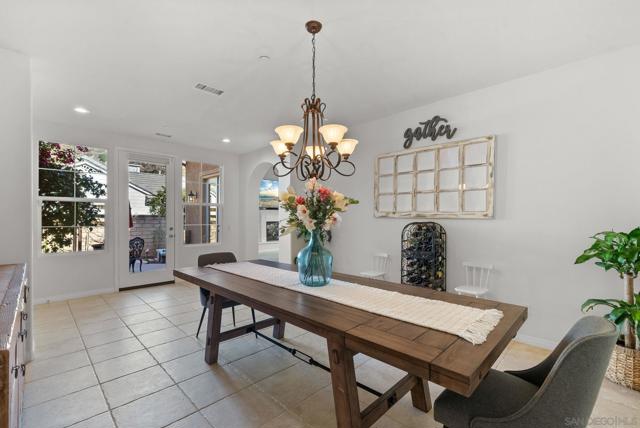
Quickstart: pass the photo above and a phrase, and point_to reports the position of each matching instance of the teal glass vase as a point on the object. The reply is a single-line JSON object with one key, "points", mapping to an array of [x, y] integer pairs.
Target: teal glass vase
{"points": [[315, 263]]}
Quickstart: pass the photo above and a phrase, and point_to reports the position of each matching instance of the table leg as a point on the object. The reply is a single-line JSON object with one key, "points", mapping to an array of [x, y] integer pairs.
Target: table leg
{"points": [[420, 396], [278, 329], [343, 381], [213, 329]]}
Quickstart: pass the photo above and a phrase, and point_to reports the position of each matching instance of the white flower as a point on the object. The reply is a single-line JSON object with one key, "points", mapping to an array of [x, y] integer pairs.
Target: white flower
{"points": [[336, 219], [302, 211], [311, 184], [309, 224], [303, 215], [291, 190]]}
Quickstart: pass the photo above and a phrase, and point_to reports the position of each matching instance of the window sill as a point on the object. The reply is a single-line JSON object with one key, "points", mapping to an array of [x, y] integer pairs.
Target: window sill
{"points": [[214, 244], [74, 253]]}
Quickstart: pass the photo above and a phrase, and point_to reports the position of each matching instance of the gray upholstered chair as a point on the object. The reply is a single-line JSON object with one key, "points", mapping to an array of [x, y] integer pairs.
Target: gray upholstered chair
{"points": [[212, 259], [559, 392]]}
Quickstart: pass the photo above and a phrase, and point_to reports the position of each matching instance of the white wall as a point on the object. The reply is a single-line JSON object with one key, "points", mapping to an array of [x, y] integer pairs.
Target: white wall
{"points": [[567, 166], [15, 136], [62, 276]]}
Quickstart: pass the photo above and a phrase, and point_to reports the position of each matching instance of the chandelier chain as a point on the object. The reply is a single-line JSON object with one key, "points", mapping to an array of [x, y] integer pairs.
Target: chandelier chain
{"points": [[313, 67]]}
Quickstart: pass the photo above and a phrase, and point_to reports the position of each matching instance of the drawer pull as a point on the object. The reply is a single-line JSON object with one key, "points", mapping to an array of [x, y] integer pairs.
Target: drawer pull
{"points": [[23, 334], [15, 370], [26, 289], [23, 368], [25, 315]]}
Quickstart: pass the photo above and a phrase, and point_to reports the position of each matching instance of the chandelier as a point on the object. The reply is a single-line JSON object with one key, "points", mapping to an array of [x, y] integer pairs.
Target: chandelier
{"points": [[323, 149]]}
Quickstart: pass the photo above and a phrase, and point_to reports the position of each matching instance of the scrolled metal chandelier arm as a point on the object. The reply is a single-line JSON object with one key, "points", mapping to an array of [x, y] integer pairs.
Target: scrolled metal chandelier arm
{"points": [[322, 149]]}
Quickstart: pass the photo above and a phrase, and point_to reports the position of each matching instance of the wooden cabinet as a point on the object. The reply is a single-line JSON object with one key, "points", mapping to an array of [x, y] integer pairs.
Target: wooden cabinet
{"points": [[14, 341]]}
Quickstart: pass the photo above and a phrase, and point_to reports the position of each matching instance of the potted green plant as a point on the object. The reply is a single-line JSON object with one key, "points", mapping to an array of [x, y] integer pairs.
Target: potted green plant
{"points": [[621, 252]]}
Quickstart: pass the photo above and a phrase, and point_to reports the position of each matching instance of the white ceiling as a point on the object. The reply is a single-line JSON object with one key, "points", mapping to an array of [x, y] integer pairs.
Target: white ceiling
{"points": [[134, 63]]}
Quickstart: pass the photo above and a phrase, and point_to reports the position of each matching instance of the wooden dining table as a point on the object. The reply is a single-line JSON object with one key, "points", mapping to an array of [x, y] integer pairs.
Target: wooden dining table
{"points": [[424, 354]]}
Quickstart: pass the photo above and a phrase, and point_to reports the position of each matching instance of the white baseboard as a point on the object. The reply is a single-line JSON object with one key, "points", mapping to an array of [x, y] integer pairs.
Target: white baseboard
{"points": [[536, 341], [76, 295]]}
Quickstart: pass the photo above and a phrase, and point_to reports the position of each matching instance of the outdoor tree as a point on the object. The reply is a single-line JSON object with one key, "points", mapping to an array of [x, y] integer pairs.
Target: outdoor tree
{"points": [[59, 177], [158, 203]]}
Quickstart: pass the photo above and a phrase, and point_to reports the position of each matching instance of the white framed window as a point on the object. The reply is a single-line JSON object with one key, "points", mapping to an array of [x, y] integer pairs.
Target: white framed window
{"points": [[72, 197], [202, 202]]}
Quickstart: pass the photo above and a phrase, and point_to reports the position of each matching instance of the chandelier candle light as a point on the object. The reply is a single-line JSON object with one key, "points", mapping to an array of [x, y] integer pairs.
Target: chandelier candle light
{"points": [[313, 215], [323, 149]]}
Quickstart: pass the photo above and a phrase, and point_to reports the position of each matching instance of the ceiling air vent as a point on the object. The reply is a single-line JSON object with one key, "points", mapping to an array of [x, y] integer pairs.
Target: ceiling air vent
{"points": [[211, 89]]}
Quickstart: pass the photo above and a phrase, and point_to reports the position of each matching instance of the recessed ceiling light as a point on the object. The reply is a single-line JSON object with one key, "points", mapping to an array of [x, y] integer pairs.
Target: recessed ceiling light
{"points": [[264, 57], [81, 110], [226, 140]]}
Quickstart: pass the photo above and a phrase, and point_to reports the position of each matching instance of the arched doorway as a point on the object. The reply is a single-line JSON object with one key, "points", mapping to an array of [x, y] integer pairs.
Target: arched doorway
{"points": [[268, 217]]}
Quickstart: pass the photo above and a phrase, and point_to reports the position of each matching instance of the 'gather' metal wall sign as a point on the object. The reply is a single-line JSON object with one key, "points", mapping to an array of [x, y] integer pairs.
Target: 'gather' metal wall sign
{"points": [[433, 128]]}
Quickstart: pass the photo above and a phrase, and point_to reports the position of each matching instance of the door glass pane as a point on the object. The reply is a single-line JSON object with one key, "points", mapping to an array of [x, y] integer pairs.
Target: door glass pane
{"points": [[192, 214], [147, 216], [192, 234]]}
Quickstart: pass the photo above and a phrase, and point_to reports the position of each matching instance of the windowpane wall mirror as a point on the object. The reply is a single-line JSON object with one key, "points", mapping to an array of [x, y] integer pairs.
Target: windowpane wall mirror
{"points": [[452, 180]]}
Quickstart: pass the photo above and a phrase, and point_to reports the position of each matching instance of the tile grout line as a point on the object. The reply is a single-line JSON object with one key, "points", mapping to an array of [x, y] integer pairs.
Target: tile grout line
{"points": [[174, 383], [250, 382], [104, 397]]}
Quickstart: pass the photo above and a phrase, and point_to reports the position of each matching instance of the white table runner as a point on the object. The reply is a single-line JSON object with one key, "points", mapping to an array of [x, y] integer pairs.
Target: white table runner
{"points": [[469, 323]]}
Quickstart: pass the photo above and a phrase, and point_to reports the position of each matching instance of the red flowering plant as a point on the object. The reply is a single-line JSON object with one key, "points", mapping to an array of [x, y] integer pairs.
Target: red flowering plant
{"points": [[316, 210]]}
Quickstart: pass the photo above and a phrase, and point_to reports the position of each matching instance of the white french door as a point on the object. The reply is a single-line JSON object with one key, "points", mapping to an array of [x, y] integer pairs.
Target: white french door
{"points": [[146, 229]]}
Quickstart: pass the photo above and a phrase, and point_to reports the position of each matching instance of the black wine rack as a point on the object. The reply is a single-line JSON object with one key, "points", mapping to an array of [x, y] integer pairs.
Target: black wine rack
{"points": [[424, 255]]}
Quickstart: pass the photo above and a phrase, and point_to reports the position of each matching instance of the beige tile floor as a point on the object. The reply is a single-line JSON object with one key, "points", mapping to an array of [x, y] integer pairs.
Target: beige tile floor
{"points": [[131, 360]]}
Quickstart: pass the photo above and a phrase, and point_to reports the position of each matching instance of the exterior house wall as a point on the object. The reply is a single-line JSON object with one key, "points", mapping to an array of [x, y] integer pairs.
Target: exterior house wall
{"points": [[137, 202]]}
